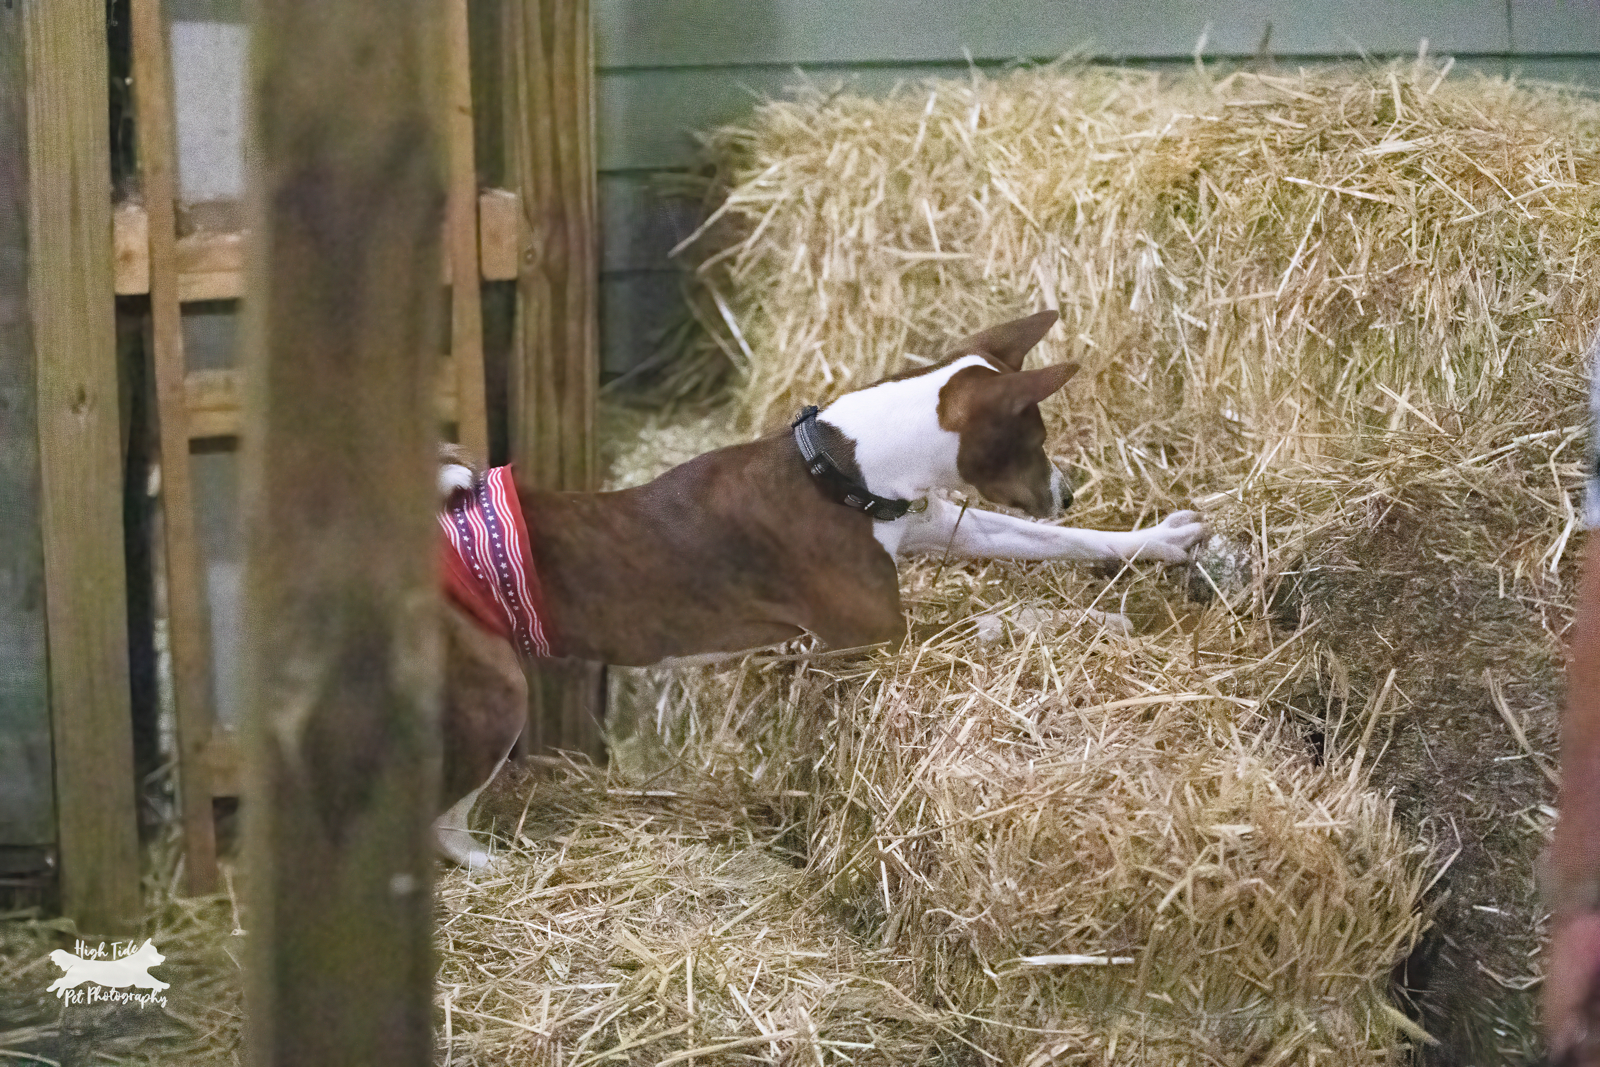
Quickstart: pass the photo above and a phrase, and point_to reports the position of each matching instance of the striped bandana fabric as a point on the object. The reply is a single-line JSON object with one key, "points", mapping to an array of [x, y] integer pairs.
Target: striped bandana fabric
{"points": [[488, 567], [1591, 502]]}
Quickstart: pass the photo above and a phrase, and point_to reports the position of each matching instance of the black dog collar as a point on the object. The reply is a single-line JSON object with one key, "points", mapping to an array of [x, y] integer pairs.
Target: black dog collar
{"points": [[838, 485]]}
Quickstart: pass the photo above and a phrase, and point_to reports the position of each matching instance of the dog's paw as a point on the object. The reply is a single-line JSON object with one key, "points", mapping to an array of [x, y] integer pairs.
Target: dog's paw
{"points": [[479, 860], [1112, 621], [1170, 540]]}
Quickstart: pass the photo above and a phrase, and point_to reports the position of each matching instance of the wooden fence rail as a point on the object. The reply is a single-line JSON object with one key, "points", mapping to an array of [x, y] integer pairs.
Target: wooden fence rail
{"points": [[483, 235], [542, 234]]}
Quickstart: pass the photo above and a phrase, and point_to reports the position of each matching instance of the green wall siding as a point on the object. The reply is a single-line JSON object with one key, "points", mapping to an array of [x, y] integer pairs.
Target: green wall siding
{"points": [[669, 67], [715, 33]]}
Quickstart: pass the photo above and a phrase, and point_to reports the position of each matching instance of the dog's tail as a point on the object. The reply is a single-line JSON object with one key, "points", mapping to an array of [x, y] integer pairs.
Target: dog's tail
{"points": [[457, 471]]}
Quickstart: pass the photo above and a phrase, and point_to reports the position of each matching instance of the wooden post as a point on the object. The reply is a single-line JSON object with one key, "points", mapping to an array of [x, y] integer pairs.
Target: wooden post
{"points": [[342, 661], [186, 602], [27, 789], [71, 301], [466, 308], [555, 361]]}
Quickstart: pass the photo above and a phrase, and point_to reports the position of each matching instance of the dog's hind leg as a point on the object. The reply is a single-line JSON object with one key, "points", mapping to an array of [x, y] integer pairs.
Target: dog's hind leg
{"points": [[451, 830], [485, 709]]}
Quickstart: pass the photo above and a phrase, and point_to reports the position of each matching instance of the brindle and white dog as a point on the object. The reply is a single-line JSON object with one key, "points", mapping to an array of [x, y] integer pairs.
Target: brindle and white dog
{"points": [[796, 533]]}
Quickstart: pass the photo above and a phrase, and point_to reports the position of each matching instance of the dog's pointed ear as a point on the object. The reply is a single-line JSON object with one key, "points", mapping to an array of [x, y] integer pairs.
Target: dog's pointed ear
{"points": [[1009, 342], [1032, 386]]}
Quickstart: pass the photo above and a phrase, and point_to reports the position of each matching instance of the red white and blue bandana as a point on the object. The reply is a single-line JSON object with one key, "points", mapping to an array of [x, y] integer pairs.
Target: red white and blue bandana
{"points": [[1591, 501], [488, 568]]}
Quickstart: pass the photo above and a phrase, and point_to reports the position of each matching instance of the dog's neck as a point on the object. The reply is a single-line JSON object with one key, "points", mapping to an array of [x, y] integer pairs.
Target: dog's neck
{"points": [[900, 448]]}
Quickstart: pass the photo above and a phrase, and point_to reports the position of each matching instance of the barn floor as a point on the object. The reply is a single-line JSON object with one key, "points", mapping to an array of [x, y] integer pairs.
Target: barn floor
{"points": [[648, 888]]}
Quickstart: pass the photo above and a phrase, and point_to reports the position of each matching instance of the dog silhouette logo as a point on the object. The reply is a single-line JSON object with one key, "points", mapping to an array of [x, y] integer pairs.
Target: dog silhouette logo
{"points": [[114, 971]]}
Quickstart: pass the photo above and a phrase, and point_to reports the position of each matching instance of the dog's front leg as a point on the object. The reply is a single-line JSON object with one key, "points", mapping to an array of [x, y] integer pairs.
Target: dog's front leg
{"points": [[991, 535]]}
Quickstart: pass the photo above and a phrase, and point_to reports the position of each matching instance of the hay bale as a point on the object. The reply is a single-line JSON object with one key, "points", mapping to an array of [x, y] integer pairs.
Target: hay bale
{"points": [[1342, 310], [651, 928], [1080, 840], [1267, 255]]}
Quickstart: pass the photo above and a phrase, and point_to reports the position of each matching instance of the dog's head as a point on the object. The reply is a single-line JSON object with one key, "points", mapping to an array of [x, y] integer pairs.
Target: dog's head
{"points": [[995, 410]]}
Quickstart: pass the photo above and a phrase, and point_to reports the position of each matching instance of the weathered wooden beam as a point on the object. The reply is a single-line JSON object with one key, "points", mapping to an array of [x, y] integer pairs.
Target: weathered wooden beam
{"points": [[130, 231], [342, 643], [214, 399], [556, 369], [461, 238], [225, 765], [499, 234], [72, 309], [186, 597], [211, 266], [555, 360]]}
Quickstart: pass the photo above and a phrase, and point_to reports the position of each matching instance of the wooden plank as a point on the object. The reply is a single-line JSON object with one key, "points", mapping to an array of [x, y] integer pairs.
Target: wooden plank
{"points": [[647, 118], [549, 111], [224, 765], [637, 310], [211, 285], [27, 791], [1555, 27], [212, 403], [461, 238], [1580, 71], [210, 253], [787, 32], [186, 605], [131, 240], [214, 400], [342, 669], [211, 266], [555, 369], [71, 290], [500, 234], [641, 220]]}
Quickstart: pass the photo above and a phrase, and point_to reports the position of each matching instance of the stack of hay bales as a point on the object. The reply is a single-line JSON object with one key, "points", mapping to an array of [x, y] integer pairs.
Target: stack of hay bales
{"points": [[1344, 312], [1081, 841], [1256, 259]]}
